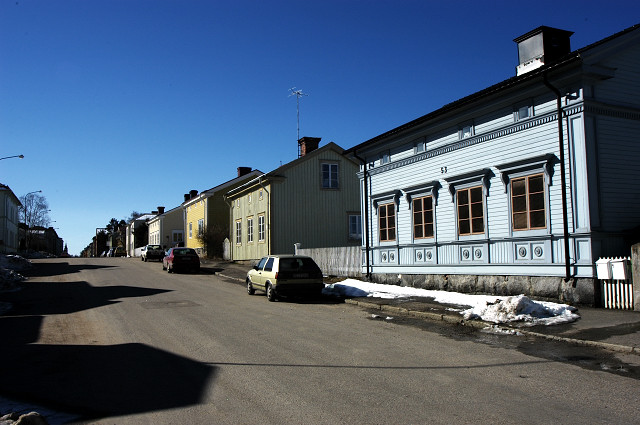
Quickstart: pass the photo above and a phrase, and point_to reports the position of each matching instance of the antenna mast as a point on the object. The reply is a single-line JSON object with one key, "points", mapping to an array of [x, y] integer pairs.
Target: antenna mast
{"points": [[298, 94]]}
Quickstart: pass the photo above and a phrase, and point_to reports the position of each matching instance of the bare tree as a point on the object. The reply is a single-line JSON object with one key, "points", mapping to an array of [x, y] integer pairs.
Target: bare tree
{"points": [[34, 210], [211, 239]]}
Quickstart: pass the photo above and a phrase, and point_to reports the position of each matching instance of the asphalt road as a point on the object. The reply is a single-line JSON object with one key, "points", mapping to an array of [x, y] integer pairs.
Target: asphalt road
{"points": [[119, 341]]}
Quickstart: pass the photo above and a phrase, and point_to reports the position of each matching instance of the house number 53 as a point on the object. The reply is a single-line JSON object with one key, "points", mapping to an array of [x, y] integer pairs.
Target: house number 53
{"points": [[443, 170]]}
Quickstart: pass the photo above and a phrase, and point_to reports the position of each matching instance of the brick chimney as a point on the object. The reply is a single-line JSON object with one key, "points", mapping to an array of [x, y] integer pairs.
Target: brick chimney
{"points": [[307, 145], [540, 47], [193, 193], [243, 171], [160, 210], [186, 197]]}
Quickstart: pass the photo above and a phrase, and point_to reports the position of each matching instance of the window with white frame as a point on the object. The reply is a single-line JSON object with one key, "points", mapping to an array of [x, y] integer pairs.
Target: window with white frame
{"points": [[238, 232], [250, 230], [190, 230], [261, 227], [329, 176], [201, 227], [355, 226], [385, 158]]}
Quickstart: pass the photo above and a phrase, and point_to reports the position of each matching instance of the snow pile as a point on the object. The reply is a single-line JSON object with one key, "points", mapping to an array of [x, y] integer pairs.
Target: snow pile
{"points": [[490, 308], [523, 309], [9, 267], [14, 262]]}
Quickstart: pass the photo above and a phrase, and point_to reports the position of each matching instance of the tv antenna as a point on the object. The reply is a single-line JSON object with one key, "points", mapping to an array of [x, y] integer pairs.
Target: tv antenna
{"points": [[298, 94]]}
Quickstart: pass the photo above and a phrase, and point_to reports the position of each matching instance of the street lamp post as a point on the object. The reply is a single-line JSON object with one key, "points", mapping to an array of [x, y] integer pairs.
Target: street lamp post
{"points": [[12, 156]]}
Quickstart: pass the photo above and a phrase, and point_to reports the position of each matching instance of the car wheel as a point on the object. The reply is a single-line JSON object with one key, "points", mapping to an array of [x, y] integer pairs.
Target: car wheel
{"points": [[271, 293], [250, 289]]}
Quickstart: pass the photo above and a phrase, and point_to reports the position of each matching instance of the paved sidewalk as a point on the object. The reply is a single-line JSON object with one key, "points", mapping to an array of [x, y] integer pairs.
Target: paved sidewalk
{"points": [[615, 330]]}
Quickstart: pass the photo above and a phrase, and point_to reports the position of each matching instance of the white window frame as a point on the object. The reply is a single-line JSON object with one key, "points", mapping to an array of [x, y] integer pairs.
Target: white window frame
{"points": [[261, 228], [238, 232], [250, 229], [201, 227], [331, 182]]}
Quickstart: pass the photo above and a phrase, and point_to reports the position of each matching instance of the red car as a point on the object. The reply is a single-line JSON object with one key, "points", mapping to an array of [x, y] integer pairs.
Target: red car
{"points": [[181, 259]]}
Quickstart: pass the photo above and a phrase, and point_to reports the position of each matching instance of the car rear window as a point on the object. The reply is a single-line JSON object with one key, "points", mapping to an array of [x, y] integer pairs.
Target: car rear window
{"points": [[154, 247], [298, 264], [184, 251]]}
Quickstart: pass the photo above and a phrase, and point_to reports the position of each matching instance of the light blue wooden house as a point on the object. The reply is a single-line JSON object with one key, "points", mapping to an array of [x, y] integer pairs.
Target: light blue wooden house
{"points": [[493, 193]]}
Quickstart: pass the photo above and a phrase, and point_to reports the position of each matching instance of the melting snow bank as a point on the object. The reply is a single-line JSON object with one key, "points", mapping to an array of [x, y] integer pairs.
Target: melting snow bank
{"points": [[490, 308], [9, 267]]}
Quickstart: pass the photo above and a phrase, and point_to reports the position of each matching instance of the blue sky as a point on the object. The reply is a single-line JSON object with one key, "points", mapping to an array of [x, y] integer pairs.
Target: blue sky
{"points": [[126, 105]]}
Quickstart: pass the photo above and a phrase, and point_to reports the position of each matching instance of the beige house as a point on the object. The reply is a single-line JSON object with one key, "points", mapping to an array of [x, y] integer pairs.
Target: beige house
{"points": [[167, 228], [313, 201], [9, 207]]}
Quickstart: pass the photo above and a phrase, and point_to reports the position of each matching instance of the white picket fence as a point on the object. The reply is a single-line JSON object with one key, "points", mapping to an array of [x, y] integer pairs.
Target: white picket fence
{"points": [[616, 282]]}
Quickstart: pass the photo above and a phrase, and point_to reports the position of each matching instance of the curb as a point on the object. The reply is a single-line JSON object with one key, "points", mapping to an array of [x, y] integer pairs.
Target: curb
{"points": [[482, 325]]}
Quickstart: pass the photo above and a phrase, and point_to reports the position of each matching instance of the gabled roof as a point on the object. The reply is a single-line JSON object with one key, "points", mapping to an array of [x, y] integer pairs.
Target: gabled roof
{"points": [[222, 187], [4, 187], [277, 173], [574, 57]]}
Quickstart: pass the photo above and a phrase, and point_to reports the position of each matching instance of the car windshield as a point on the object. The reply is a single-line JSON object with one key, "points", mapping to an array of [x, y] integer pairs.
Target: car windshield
{"points": [[184, 251], [298, 264]]}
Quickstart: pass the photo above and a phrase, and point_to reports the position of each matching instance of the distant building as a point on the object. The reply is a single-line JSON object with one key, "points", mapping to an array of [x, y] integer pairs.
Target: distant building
{"points": [[167, 228], [9, 207]]}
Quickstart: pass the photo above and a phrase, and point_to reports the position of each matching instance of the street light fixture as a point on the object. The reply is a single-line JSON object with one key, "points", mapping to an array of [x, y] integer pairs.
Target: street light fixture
{"points": [[13, 156]]}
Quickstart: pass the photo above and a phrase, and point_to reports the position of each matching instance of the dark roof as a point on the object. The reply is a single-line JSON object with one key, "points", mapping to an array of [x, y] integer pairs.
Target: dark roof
{"points": [[575, 56]]}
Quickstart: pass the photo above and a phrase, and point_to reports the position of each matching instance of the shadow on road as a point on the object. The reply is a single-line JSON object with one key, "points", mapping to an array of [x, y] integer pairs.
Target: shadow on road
{"points": [[90, 380], [59, 268], [42, 298], [102, 381]]}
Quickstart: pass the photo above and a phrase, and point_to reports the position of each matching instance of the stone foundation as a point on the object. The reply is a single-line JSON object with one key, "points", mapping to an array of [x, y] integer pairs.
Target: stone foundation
{"points": [[579, 291]]}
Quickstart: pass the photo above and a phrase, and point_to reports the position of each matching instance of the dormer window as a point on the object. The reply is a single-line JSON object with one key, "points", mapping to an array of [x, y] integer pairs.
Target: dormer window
{"points": [[523, 112], [465, 131]]}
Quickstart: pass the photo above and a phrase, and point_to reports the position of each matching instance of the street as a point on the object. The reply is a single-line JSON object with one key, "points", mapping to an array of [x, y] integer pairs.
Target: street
{"points": [[117, 340]]}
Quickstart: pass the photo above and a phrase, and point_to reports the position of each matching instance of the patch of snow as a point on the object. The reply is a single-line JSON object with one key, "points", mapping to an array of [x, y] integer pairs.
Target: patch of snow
{"points": [[490, 308]]}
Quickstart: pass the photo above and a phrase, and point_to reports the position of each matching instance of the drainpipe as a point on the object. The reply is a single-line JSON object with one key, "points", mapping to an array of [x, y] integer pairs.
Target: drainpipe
{"points": [[565, 219], [267, 218], [366, 214]]}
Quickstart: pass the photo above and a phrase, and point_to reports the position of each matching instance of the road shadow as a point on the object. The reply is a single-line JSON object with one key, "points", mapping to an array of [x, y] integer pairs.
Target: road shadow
{"points": [[102, 381], [42, 269], [43, 298]]}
